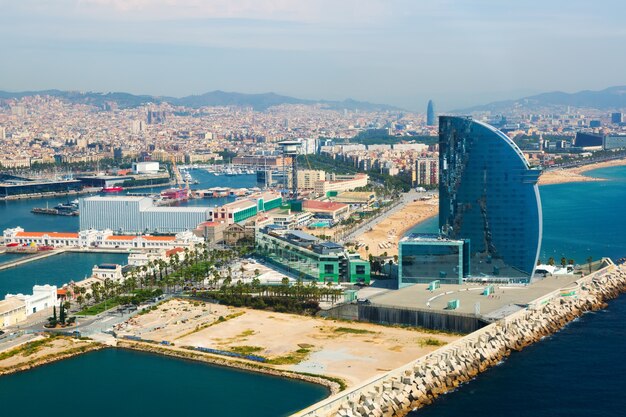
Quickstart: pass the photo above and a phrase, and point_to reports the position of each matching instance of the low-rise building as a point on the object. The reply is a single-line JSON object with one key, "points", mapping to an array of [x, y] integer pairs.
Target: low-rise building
{"points": [[309, 257], [107, 271], [326, 209], [43, 297], [340, 183], [99, 239], [12, 312], [424, 258]]}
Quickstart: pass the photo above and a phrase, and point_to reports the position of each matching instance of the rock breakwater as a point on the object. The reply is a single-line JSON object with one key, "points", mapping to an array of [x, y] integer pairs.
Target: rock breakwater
{"points": [[419, 383]]}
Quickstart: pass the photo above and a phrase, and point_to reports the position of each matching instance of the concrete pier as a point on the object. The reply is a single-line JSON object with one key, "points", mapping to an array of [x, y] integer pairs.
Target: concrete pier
{"points": [[419, 383], [31, 258]]}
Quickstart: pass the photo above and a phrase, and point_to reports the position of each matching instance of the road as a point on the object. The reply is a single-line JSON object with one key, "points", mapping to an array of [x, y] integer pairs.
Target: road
{"points": [[404, 199]]}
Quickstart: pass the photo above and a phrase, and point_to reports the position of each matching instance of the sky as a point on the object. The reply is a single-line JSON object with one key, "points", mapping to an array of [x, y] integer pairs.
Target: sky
{"points": [[399, 52]]}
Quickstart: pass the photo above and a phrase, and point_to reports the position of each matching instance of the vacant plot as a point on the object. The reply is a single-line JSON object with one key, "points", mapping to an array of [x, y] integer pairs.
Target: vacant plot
{"points": [[352, 351]]}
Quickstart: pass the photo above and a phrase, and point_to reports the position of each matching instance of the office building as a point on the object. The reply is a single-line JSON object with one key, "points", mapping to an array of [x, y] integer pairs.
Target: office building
{"points": [[245, 208], [617, 118], [614, 142], [488, 194], [310, 258], [338, 184], [428, 257], [148, 167], [588, 140], [430, 114]]}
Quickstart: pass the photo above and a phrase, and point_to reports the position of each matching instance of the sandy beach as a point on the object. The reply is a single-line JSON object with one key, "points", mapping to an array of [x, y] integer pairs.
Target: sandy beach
{"points": [[560, 176], [384, 236]]}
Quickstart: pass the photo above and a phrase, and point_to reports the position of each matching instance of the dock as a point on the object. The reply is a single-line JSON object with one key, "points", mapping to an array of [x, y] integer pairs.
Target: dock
{"points": [[31, 258]]}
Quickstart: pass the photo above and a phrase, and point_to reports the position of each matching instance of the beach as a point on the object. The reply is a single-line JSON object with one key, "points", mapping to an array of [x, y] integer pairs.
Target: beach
{"points": [[385, 235], [576, 174]]}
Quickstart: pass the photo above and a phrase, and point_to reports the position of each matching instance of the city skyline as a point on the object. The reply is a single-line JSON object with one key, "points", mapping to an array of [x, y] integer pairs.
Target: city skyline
{"points": [[377, 52]]}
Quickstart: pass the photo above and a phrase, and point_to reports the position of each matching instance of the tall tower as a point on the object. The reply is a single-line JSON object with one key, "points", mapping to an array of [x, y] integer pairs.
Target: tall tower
{"points": [[430, 113], [291, 149], [488, 194]]}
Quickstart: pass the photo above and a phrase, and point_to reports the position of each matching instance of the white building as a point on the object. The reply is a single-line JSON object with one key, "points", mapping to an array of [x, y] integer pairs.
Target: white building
{"points": [[43, 297], [99, 238], [107, 271], [132, 215], [149, 167]]}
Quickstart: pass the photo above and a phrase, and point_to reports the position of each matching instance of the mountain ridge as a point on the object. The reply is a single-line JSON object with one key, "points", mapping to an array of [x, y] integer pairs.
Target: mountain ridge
{"points": [[258, 101], [606, 99]]}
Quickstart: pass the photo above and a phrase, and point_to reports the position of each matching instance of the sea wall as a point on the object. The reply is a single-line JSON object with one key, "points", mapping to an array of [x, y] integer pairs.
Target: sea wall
{"points": [[428, 319], [420, 382]]}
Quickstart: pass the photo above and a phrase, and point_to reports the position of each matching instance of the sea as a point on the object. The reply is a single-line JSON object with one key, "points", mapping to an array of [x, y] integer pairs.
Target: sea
{"points": [[576, 372], [128, 383]]}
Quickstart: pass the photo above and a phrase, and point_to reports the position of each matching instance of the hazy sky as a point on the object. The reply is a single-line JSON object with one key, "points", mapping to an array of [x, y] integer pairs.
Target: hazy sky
{"points": [[402, 52]]}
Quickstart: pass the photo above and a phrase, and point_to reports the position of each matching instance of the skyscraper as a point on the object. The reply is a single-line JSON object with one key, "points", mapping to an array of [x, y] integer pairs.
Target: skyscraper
{"points": [[488, 195], [430, 113]]}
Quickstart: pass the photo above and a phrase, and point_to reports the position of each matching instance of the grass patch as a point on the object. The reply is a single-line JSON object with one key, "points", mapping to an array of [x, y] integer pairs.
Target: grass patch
{"points": [[352, 331], [403, 326], [246, 350], [246, 333], [221, 319], [429, 341], [291, 359], [99, 308]]}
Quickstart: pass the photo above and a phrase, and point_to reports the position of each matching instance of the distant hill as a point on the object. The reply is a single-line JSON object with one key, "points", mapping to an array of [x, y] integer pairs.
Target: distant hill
{"points": [[258, 102], [607, 99]]}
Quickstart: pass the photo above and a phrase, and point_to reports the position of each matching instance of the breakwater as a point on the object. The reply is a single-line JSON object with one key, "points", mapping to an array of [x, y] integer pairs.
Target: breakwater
{"points": [[206, 357], [420, 382]]}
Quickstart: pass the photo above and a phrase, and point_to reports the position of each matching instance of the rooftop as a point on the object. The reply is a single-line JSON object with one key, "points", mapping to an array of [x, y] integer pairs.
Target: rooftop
{"points": [[428, 237], [58, 235], [322, 205], [196, 209], [115, 198]]}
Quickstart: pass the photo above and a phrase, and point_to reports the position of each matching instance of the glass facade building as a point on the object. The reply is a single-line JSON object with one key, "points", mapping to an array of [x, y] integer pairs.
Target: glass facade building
{"points": [[424, 258], [430, 113], [306, 256], [488, 195]]}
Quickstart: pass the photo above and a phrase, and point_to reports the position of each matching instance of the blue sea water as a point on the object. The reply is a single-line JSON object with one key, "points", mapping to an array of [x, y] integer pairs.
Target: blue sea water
{"points": [[579, 219], [578, 372], [54, 270], [127, 383]]}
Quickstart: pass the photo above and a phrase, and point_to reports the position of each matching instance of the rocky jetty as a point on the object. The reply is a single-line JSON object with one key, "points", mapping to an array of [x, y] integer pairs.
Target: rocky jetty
{"points": [[421, 382]]}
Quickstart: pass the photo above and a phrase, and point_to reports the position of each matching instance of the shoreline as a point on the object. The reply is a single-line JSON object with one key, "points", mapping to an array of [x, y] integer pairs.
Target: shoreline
{"points": [[576, 174], [392, 229], [330, 383], [333, 385], [52, 358]]}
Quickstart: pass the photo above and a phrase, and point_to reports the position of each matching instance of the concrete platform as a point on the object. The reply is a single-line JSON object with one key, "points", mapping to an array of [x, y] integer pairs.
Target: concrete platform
{"points": [[504, 301]]}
